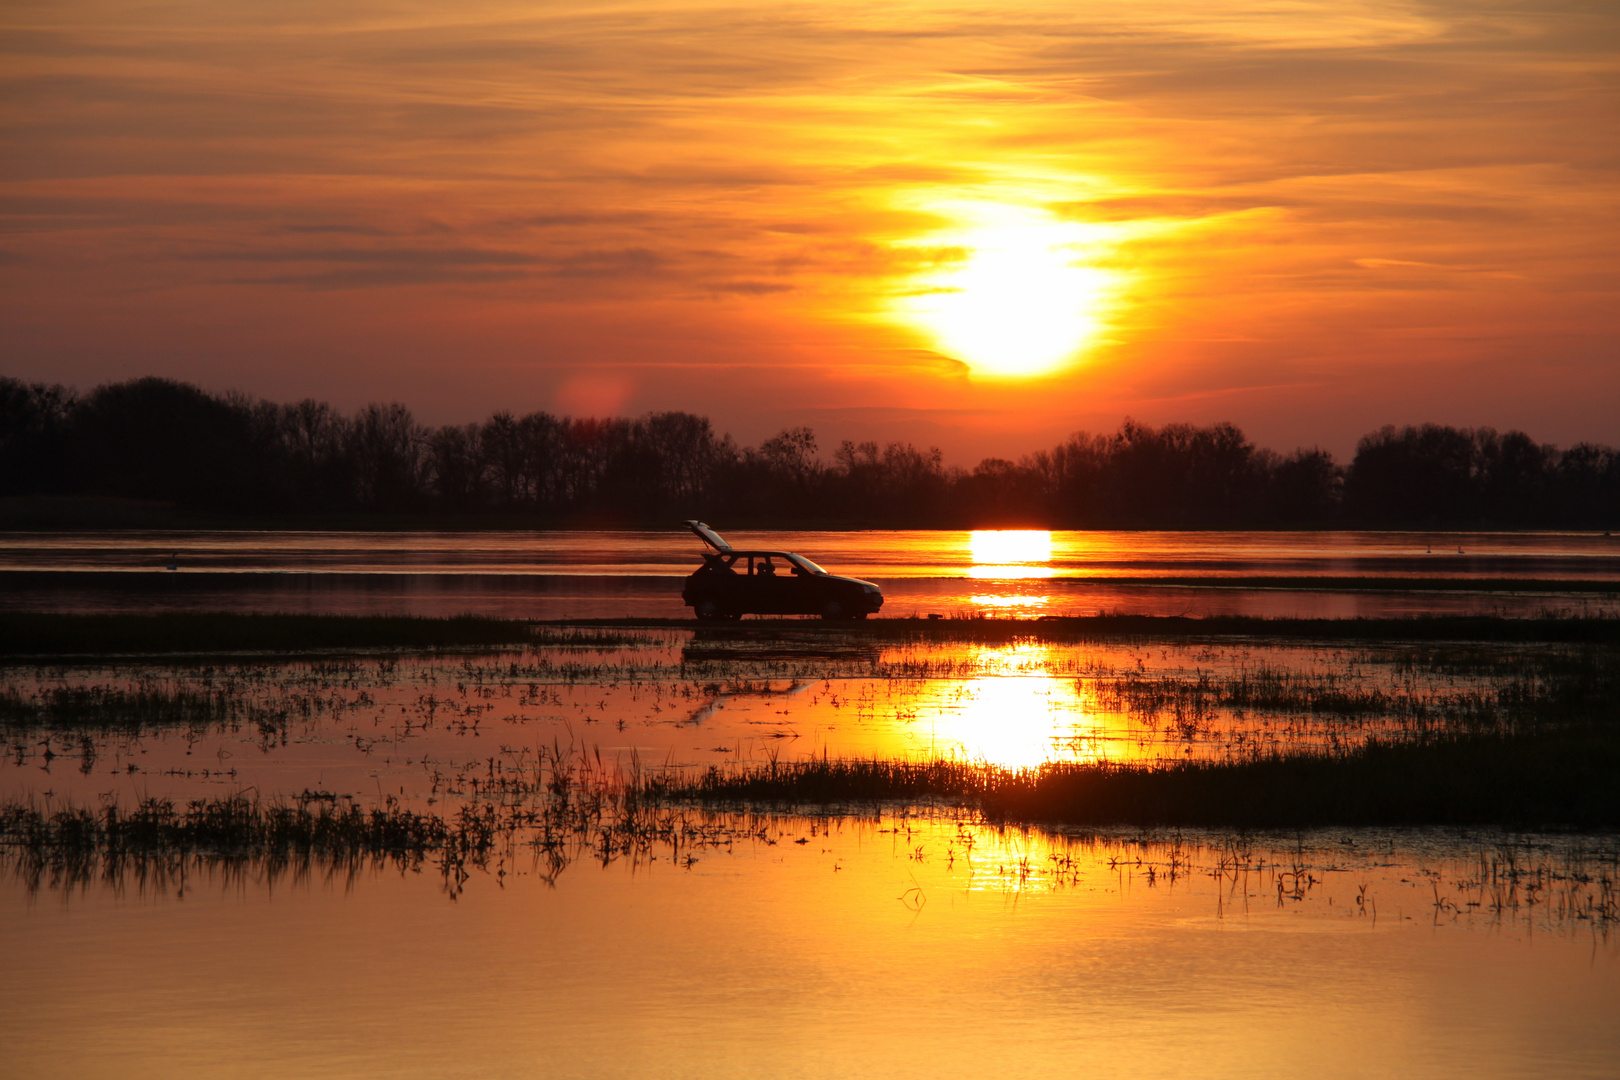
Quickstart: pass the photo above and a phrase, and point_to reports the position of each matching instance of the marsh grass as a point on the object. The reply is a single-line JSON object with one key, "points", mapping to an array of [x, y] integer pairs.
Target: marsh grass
{"points": [[33, 634], [1289, 734], [544, 820], [135, 709], [546, 809], [1229, 699], [1565, 780], [1540, 750]]}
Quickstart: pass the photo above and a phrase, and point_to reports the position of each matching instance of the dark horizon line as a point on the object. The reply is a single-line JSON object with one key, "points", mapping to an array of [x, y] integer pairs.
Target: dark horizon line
{"points": [[169, 448]]}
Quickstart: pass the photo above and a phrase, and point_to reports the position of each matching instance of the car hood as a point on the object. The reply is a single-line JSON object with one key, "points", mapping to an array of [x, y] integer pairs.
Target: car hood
{"points": [[852, 581]]}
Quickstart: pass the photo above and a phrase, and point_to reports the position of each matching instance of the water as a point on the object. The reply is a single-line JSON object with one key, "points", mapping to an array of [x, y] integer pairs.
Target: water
{"points": [[883, 942], [412, 727], [636, 574], [896, 948]]}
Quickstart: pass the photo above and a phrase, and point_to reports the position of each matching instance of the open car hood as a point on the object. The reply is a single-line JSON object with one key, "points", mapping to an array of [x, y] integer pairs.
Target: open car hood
{"points": [[709, 536]]}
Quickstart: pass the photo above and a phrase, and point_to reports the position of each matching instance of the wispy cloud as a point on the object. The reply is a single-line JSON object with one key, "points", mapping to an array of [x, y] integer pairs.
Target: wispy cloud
{"points": [[725, 183]]}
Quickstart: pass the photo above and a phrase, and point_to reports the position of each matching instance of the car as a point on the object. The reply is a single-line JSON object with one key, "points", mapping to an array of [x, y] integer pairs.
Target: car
{"points": [[732, 583]]}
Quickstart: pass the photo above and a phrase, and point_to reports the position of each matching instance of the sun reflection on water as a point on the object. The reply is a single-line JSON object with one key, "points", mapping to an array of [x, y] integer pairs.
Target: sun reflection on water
{"points": [[1014, 715], [1010, 555], [1011, 545], [1009, 602]]}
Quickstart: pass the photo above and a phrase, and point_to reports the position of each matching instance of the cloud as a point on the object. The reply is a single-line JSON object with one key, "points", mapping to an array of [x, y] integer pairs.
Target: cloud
{"points": [[698, 180]]}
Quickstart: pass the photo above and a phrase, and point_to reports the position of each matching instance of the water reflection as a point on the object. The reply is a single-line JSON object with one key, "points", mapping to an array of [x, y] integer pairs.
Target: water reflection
{"points": [[838, 947], [1011, 546], [1012, 605], [591, 942], [1010, 555], [611, 574], [414, 727], [1015, 721]]}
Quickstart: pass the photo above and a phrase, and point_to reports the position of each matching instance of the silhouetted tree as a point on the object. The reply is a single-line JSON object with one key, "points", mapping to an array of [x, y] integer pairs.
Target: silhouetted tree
{"points": [[455, 460], [1414, 475], [385, 450], [156, 439], [35, 441], [1305, 489], [167, 441]]}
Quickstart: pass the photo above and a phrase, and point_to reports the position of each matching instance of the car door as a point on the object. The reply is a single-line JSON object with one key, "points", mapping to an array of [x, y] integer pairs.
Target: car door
{"points": [[774, 584], [801, 592]]}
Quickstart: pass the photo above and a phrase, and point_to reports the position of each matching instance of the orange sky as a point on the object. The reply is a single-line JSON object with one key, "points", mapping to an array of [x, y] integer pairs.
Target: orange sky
{"points": [[1308, 218]]}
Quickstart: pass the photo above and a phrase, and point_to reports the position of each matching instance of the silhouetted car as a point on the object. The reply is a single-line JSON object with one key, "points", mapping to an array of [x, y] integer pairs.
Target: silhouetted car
{"points": [[732, 583]]}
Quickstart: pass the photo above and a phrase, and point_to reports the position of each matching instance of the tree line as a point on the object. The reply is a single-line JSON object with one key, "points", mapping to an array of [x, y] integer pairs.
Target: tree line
{"points": [[172, 444]]}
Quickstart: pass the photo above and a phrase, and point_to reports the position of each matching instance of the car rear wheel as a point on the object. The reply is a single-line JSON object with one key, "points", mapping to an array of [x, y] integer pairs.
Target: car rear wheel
{"points": [[707, 609]]}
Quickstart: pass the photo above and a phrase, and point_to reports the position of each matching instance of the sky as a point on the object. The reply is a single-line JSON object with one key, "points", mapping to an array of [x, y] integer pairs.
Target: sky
{"points": [[977, 226]]}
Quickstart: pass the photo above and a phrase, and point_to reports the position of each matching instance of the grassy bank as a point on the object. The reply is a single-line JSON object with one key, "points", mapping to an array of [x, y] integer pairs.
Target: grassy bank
{"points": [[1568, 780], [31, 634], [1542, 751]]}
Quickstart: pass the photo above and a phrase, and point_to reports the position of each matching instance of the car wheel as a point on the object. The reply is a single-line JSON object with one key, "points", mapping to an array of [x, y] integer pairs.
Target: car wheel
{"points": [[832, 609], [707, 609]]}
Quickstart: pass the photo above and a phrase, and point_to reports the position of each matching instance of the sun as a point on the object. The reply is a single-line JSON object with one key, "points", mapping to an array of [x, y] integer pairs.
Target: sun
{"points": [[1020, 300]]}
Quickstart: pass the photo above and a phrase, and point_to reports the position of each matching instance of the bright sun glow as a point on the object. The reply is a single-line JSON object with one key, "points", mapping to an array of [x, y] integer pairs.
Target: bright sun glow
{"points": [[1007, 554], [1011, 545], [1020, 301]]}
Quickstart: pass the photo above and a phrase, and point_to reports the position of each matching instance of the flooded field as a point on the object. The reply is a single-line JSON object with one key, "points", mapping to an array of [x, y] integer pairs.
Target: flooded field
{"points": [[406, 726], [523, 860], [637, 574], [436, 864]]}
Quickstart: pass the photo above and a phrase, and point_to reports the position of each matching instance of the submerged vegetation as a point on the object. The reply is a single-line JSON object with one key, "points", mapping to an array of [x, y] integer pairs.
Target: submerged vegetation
{"points": [[1176, 723], [1536, 745], [549, 807], [560, 812], [28, 634], [147, 705]]}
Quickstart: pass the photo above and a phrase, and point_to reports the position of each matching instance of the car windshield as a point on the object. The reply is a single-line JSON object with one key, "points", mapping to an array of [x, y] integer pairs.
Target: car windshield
{"points": [[800, 560]]}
